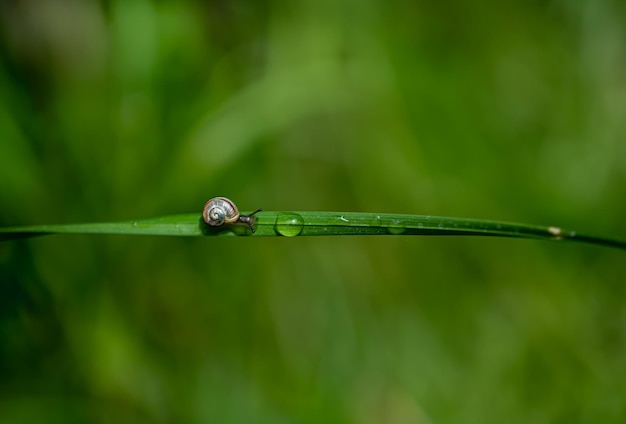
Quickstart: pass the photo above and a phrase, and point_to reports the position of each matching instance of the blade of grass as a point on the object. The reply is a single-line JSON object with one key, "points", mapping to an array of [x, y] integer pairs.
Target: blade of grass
{"points": [[291, 224]]}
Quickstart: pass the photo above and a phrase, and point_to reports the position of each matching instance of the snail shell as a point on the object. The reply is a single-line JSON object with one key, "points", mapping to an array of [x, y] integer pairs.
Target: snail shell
{"points": [[220, 210]]}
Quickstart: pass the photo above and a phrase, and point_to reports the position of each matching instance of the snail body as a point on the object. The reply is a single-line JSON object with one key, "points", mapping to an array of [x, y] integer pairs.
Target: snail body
{"points": [[221, 210]]}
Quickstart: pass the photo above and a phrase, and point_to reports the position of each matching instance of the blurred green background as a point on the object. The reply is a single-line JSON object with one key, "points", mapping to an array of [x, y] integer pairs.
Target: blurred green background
{"points": [[115, 110]]}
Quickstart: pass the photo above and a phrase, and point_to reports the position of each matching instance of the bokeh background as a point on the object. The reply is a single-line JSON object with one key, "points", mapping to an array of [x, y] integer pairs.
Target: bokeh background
{"points": [[115, 110]]}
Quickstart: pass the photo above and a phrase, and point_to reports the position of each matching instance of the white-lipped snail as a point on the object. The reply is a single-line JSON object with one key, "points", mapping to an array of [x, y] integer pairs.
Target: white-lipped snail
{"points": [[220, 210]]}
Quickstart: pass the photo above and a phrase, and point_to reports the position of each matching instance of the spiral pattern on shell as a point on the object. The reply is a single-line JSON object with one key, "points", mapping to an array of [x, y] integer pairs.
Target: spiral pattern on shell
{"points": [[220, 210], [216, 216]]}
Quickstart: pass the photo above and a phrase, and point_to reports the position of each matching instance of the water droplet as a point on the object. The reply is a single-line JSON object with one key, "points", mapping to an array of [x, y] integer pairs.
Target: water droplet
{"points": [[135, 224], [396, 230], [555, 231], [289, 224], [396, 227]]}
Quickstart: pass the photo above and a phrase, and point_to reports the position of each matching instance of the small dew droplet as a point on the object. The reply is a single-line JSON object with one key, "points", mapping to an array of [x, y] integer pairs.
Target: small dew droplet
{"points": [[396, 227], [556, 232], [396, 230]]}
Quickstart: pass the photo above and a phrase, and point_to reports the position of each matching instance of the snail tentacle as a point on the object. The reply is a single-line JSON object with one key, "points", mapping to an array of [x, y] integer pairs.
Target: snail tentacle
{"points": [[249, 219]]}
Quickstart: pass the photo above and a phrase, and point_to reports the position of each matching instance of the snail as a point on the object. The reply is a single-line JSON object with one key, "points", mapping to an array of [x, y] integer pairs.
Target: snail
{"points": [[220, 210]]}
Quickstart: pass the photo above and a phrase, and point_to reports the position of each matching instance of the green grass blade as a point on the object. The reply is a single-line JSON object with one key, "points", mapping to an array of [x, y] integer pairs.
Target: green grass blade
{"points": [[292, 224]]}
